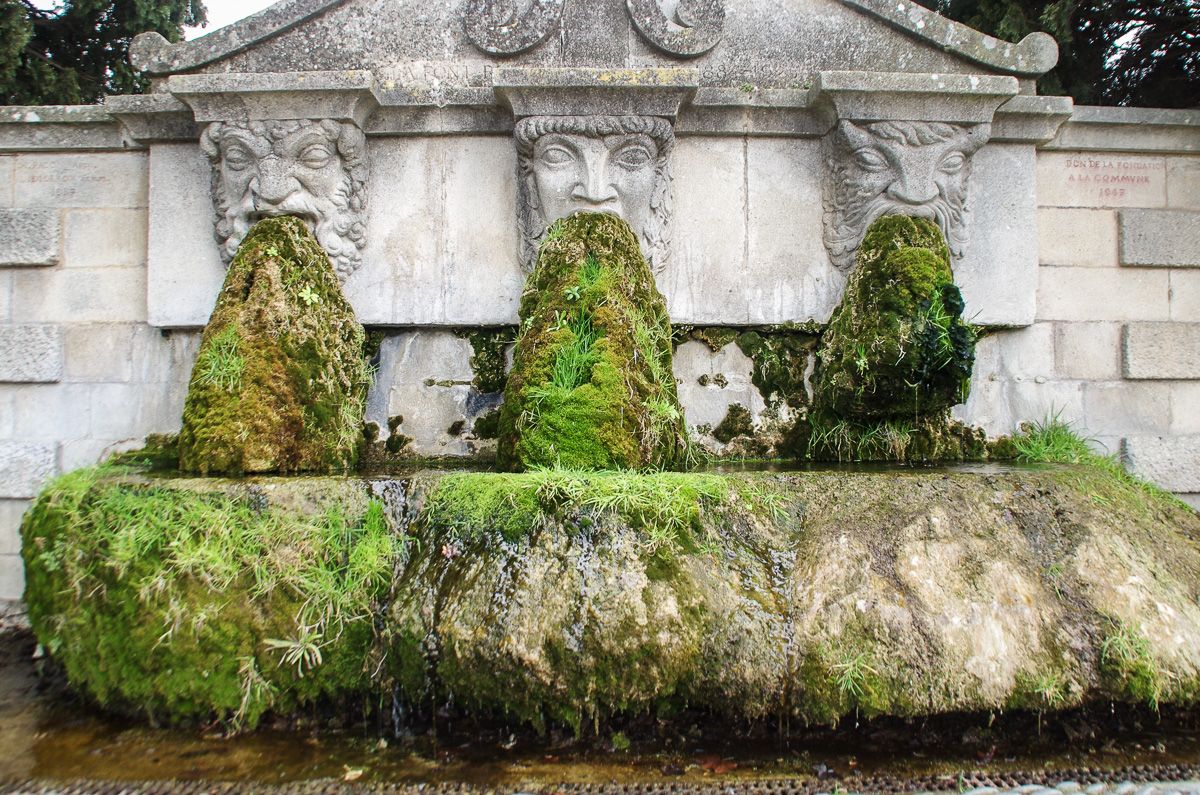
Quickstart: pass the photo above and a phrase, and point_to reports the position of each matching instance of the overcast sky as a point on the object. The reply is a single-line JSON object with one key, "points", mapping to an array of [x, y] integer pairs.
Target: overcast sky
{"points": [[222, 12]]}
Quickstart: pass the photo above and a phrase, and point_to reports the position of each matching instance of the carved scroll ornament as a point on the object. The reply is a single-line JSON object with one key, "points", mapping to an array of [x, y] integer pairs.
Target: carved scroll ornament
{"points": [[502, 27], [897, 168], [315, 170], [612, 164], [684, 28]]}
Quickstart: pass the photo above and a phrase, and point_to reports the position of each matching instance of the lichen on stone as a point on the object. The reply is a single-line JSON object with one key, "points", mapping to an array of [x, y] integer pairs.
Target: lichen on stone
{"points": [[280, 381], [591, 385]]}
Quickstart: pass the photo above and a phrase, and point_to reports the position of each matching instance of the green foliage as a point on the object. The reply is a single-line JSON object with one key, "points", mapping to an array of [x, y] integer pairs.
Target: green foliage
{"points": [[591, 385], [77, 52], [193, 605], [1126, 662], [280, 382], [1111, 52]]}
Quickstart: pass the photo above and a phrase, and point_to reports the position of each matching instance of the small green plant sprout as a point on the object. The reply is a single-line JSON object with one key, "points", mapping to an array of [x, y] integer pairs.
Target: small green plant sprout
{"points": [[1051, 690], [620, 742], [572, 293], [221, 364], [309, 296], [851, 674], [303, 651], [554, 232], [1125, 658]]}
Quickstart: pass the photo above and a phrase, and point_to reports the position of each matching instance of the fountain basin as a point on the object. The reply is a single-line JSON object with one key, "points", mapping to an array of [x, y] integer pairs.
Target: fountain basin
{"points": [[574, 598]]}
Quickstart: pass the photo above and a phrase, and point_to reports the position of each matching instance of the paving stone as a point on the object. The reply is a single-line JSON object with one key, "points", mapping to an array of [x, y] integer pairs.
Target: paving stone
{"points": [[31, 354], [1169, 238], [1077, 237], [25, 467], [1161, 350], [1172, 462], [29, 236]]}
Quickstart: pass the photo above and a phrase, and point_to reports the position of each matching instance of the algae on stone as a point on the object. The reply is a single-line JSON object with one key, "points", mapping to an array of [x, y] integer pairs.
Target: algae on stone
{"points": [[897, 354], [591, 385], [280, 381]]}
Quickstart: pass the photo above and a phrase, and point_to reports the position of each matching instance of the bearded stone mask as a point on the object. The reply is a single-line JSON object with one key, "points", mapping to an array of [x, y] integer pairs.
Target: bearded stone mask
{"points": [[609, 164], [315, 170], [897, 168]]}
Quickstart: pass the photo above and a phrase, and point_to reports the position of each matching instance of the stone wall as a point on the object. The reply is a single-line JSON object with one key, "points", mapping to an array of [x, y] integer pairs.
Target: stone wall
{"points": [[87, 367]]}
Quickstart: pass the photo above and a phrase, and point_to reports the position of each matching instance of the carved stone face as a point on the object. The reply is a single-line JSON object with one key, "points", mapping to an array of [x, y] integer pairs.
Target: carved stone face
{"points": [[315, 170], [897, 168], [607, 164]]}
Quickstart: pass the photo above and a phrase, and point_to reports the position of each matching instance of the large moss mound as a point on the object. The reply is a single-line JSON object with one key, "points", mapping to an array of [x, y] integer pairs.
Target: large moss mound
{"points": [[591, 385], [280, 382], [569, 597], [897, 354]]}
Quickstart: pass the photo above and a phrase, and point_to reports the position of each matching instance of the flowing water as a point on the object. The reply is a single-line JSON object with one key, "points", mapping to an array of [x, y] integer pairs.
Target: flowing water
{"points": [[47, 734]]}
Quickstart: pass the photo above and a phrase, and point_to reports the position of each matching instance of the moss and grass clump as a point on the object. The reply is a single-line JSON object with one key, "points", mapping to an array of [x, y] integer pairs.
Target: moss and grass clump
{"points": [[280, 382], [897, 354], [183, 603], [591, 385]]}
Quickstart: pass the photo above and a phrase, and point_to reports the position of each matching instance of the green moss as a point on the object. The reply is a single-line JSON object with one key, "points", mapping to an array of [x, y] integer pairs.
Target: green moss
{"points": [[896, 355], [280, 381], [779, 354], [488, 360], [927, 439], [1127, 666], [591, 385], [737, 422], [487, 426], [187, 605], [160, 452]]}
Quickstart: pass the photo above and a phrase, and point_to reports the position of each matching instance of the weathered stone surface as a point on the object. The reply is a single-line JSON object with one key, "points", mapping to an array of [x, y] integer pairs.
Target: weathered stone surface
{"points": [[342, 95], [1172, 462], [280, 380], [31, 354], [1120, 408], [79, 295], [10, 525], [591, 385], [492, 27], [1161, 350], [52, 412], [686, 34], [25, 467], [12, 577], [586, 597], [1185, 295], [1093, 294], [34, 128], [1091, 179], [103, 238], [94, 179], [1122, 130], [1185, 408], [918, 99], [29, 237], [1183, 183], [1022, 354], [1077, 237], [426, 397], [711, 383], [1160, 238], [1088, 350]]}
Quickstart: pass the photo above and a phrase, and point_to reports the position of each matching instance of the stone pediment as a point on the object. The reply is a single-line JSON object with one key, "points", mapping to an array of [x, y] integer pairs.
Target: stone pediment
{"points": [[736, 44]]}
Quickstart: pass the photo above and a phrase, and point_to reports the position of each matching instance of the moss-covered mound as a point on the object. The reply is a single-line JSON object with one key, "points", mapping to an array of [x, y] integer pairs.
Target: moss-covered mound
{"points": [[191, 600], [280, 382], [591, 385], [897, 354], [567, 597]]}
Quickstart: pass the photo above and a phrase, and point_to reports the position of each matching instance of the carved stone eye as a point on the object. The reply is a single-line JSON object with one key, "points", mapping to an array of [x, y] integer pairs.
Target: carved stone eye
{"points": [[315, 156], [632, 157], [870, 160], [237, 158], [953, 163], [556, 156]]}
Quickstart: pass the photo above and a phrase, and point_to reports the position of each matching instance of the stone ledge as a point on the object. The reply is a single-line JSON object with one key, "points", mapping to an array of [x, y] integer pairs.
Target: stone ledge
{"points": [[1161, 351], [1148, 130], [29, 236], [1172, 462], [1160, 238], [25, 467], [31, 354]]}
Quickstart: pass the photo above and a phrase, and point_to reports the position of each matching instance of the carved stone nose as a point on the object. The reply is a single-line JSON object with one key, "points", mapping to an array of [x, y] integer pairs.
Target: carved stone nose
{"points": [[274, 183], [913, 191], [595, 188]]}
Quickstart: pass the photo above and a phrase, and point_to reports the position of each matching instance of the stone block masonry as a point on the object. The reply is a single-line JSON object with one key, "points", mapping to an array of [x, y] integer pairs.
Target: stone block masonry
{"points": [[1160, 238], [1162, 351], [29, 237], [31, 353]]}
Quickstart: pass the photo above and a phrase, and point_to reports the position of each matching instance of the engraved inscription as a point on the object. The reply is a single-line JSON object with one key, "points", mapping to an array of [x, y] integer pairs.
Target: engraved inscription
{"points": [[897, 168], [610, 164], [315, 170], [1101, 180]]}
